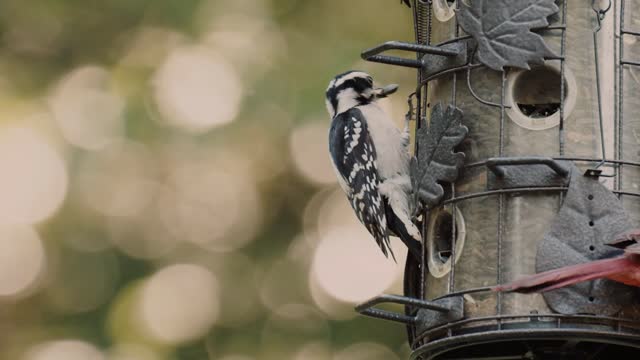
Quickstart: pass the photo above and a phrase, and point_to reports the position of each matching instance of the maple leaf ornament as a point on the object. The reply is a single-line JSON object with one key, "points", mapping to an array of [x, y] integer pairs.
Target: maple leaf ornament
{"points": [[502, 29]]}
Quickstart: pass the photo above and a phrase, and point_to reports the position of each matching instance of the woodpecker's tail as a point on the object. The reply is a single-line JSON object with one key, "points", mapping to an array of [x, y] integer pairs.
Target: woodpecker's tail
{"points": [[405, 233], [396, 198], [412, 289], [569, 275]]}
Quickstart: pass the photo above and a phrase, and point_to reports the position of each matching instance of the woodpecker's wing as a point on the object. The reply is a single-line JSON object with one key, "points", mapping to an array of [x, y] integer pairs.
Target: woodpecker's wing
{"points": [[354, 156]]}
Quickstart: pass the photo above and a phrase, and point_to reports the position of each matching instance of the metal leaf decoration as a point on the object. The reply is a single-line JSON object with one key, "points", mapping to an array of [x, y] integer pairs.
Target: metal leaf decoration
{"points": [[590, 216], [502, 29], [436, 160]]}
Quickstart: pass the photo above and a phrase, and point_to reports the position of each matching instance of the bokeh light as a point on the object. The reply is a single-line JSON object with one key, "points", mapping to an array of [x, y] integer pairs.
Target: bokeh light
{"points": [[316, 208], [333, 308], [195, 208], [289, 326], [127, 169], [366, 351], [341, 242], [179, 303], [250, 41], [150, 45], [314, 351], [198, 211], [22, 259], [88, 112], [166, 185], [237, 357], [196, 89], [34, 178], [147, 235], [309, 150], [130, 351], [65, 350], [334, 211], [347, 256]]}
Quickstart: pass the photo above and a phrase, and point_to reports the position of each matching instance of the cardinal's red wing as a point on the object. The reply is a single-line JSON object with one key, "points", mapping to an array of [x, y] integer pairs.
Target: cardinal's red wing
{"points": [[554, 279]]}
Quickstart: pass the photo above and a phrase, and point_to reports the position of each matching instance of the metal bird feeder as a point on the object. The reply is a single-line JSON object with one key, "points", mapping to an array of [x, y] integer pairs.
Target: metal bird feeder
{"points": [[527, 159]]}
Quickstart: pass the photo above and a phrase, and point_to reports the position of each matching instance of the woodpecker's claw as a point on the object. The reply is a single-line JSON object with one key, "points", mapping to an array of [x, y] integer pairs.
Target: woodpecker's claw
{"points": [[407, 2]]}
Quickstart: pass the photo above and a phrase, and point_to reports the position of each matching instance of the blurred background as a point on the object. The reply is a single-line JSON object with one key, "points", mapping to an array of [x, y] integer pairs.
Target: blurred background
{"points": [[166, 191]]}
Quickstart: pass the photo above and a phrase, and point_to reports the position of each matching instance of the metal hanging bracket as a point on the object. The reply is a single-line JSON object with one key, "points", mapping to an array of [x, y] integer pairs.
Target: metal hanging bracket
{"points": [[434, 64], [453, 52], [430, 313], [427, 319], [529, 171]]}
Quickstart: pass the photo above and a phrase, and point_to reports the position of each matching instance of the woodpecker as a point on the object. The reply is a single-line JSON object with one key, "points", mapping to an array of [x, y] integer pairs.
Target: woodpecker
{"points": [[371, 158], [624, 269]]}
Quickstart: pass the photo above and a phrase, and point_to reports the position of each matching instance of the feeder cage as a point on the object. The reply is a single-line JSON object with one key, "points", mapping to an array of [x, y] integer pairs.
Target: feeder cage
{"points": [[527, 159]]}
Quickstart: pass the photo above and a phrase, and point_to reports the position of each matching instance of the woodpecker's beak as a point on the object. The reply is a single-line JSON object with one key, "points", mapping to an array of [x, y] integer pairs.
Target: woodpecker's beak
{"points": [[385, 91]]}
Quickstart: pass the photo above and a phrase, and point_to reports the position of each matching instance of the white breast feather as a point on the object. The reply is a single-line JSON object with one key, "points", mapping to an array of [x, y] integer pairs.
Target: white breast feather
{"points": [[393, 158]]}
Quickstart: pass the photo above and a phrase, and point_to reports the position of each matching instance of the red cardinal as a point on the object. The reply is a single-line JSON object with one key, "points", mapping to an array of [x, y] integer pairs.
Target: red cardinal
{"points": [[624, 269]]}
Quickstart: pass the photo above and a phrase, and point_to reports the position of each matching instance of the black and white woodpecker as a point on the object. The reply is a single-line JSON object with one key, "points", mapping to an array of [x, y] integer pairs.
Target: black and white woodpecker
{"points": [[371, 158]]}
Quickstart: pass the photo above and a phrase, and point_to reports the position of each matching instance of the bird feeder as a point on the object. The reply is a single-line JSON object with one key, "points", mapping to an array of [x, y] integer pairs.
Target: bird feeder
{"points": [[527, 159]]}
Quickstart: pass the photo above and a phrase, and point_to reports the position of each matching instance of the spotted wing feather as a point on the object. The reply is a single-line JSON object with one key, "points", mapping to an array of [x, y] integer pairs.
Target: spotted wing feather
{"points": [[354, 156]]}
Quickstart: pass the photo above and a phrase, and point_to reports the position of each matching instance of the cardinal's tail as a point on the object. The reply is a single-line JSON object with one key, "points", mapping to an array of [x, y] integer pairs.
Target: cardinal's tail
{"points": [[569, 275]]}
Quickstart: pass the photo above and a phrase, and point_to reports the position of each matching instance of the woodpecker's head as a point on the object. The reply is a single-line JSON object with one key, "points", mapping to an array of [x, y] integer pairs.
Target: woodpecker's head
{"points": [[351, 89]]}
